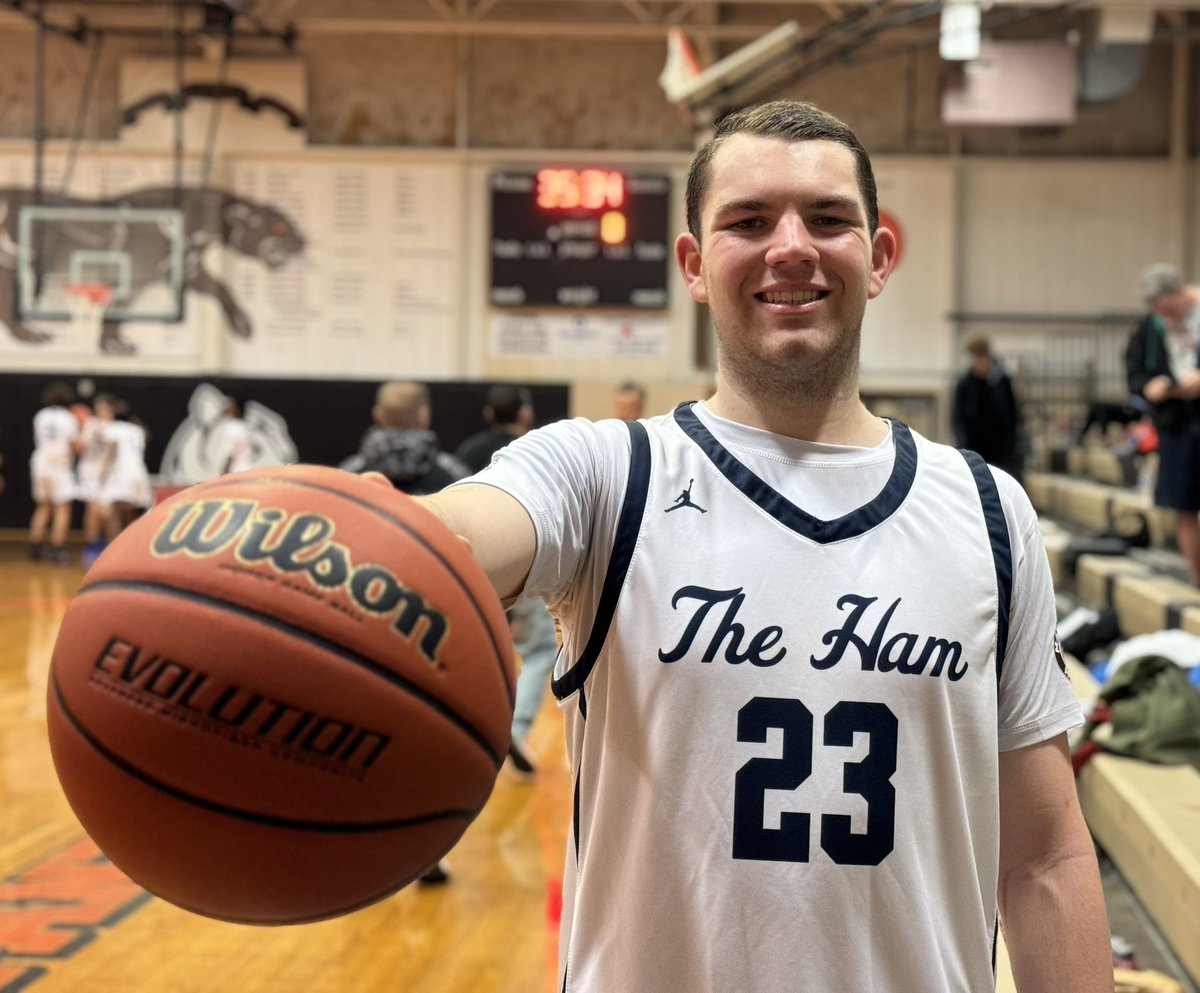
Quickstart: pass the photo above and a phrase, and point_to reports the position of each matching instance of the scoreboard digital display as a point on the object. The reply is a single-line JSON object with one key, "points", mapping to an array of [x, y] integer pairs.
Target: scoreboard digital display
{"points": [[590, 237]]}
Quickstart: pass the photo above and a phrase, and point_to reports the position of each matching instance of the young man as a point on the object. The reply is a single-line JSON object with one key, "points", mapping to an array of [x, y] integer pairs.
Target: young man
{"points": [[814, 714], [401, 445], [986, 414], [508, 413]]}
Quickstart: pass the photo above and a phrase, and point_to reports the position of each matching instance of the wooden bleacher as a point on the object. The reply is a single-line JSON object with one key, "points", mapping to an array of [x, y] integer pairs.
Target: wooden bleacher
{"points": [[1146, 817]]}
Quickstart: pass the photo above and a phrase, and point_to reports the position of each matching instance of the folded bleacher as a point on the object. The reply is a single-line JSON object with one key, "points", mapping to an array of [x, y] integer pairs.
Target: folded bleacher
{"points": [[1110, 548]]}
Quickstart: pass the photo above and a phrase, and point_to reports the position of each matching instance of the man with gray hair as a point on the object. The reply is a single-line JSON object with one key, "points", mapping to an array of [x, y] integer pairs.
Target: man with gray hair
{"points": [[1161, 365]]}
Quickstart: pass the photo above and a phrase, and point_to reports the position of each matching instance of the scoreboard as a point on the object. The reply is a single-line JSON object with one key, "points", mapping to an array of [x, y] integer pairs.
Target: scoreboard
{"points": [[591, 237]]}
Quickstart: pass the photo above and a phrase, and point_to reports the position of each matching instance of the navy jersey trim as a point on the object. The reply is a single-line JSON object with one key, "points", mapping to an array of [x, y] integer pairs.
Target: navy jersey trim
{"points": [[575, 792], [629, 524], [856, 523], [997, 527]]}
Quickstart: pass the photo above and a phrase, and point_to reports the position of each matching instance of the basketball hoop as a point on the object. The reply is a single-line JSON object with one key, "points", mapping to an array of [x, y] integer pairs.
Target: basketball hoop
{"points": [[88, 303]]}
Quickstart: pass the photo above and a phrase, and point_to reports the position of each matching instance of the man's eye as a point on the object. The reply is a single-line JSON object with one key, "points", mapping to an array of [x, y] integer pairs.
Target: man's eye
{"points": [[746, 224]]}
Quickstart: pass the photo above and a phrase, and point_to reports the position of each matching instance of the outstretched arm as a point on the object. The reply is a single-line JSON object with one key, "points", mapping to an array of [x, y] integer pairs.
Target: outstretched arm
{"points": [[499, 529], [1051, 901]]}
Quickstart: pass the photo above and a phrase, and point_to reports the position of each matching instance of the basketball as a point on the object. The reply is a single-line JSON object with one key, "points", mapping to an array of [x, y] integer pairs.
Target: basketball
{"points": [[281, 695]]}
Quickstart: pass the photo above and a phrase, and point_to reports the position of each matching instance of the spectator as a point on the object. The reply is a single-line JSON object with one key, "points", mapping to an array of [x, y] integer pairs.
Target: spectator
{"points": [[629, 402], [987, 417], [508, 413], [401, 445], [1161, 364]]}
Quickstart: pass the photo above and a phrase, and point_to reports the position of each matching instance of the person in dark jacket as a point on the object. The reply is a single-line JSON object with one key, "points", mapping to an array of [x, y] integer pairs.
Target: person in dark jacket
{"points": [[401, 445], [508, 413], [987, 417], [1161, 365]]}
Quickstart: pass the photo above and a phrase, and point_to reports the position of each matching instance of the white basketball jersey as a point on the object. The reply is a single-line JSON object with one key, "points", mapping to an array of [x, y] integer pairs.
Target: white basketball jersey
{"points": [[783, 730], [54, 429]]}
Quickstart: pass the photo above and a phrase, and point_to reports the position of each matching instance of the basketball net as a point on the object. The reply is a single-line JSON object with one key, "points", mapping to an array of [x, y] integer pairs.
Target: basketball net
{"points": [[88, 303]]}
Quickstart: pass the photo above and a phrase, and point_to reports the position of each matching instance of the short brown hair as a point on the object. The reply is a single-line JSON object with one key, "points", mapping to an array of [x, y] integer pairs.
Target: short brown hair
{"points": [[790, 120], [399, 404], [979, 345]]}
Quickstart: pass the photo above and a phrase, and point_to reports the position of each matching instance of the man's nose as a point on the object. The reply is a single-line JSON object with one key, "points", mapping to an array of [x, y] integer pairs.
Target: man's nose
{"points": [[792, 242]]}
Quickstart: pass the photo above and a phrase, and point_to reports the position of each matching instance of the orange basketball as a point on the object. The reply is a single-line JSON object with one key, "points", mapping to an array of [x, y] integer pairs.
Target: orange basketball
{"points": [[281, 695]]}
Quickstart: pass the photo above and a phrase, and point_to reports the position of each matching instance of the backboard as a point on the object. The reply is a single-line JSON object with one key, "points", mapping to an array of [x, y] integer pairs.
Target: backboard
{"points": [[137, 253]]}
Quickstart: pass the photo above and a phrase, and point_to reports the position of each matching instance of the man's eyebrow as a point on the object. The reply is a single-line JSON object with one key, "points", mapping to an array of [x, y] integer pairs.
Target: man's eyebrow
{"points": [[737, 206], [836, 203], [751, 204]]}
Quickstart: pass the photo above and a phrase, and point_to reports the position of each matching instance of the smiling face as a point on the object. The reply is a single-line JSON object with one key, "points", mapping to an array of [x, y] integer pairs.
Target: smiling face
{"points": [[786, 262]]}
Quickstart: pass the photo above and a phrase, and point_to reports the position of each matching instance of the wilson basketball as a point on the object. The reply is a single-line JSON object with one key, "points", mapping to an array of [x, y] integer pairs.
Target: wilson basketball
{"points": [[281, 695]]}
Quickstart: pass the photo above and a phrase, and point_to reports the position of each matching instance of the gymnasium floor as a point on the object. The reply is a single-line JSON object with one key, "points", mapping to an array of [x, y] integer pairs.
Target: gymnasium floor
{"points": [[69, 923]]}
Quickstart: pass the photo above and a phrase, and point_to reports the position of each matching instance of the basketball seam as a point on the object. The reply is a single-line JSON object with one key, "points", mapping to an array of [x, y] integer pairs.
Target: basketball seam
{"points": [[233, 480], [269, 820], [301, 634]]}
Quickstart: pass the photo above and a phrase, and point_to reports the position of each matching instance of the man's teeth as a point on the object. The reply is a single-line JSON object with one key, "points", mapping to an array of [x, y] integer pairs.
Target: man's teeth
{"points": [[805, 296]]}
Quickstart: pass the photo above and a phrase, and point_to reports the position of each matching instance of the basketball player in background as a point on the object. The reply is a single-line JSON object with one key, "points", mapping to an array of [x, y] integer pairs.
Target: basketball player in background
{"points": [[232, 444], [125, 491], [52, 473], [817, 731], [93, 455]]}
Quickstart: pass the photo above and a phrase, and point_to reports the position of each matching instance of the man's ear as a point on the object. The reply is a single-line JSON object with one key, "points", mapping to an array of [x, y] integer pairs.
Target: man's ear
{"points": [[687, 257], [883, 260]]}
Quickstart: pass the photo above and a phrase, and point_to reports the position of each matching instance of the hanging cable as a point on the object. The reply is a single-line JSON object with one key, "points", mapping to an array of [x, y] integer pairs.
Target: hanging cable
{"points": [[214, 117], [81, 116]]}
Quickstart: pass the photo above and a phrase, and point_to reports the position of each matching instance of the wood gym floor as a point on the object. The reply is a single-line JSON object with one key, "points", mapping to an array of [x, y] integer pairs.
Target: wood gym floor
{"points": [[70, 923]]}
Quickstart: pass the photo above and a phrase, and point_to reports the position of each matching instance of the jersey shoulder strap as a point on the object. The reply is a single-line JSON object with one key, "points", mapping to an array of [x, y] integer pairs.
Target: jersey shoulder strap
{"points": [[998, 536]]}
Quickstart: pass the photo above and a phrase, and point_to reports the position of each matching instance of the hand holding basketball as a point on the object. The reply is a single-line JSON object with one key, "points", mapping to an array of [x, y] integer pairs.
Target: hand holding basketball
{"points": [[281, 695]]}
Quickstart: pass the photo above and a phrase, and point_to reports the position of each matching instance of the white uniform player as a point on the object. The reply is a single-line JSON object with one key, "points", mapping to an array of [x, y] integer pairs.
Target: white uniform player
{"points": [[784, 715], [51, 466], [126, 479], [93, 453]]}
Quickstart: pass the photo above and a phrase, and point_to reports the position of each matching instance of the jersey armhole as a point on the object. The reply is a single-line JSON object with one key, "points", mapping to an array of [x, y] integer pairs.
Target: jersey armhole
{"points": [[629, 525]]}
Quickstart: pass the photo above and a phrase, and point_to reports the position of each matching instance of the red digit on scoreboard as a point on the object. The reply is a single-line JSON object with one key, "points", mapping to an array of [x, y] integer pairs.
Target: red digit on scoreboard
{"points": [[590, 189]]}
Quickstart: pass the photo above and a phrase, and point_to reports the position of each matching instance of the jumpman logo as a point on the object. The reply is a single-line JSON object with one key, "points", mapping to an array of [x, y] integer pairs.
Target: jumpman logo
{"points": [[685, 500]]}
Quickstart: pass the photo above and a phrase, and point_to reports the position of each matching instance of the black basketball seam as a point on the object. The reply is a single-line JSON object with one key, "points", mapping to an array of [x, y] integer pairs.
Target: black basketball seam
{"points": [[269, 820], [233, 480], [341, 651]]}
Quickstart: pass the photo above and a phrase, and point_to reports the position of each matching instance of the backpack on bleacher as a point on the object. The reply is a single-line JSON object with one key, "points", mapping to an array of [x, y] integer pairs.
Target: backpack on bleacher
{"points": [[1131, 526], [1154, 712], [1085, 629]]}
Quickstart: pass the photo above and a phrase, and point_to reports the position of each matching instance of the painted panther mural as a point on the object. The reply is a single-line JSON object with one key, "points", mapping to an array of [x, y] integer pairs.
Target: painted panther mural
{"points": [[210, 216]]}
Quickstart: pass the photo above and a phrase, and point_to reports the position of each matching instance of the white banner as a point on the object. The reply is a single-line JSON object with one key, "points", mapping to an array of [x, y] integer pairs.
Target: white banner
{"points": [[589, 336]]}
